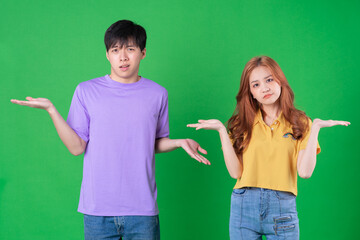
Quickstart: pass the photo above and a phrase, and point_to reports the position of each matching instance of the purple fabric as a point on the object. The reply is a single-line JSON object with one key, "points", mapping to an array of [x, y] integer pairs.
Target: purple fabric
{"points": [[120, 123]]}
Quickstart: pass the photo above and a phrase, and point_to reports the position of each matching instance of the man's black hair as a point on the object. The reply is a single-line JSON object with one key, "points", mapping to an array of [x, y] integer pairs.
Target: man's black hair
{"points": [[125, 32]]}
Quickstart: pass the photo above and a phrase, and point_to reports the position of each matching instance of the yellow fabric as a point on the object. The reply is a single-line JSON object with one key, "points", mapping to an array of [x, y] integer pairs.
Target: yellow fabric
{"points": [[270, 159]]}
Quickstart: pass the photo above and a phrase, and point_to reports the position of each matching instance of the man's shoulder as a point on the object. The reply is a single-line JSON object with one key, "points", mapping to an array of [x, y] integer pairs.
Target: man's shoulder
{"points": [[90, 85], [91, 82], [155, 86]]}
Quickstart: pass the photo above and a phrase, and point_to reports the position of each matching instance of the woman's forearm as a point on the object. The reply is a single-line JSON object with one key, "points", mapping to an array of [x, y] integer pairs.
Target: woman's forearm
{"points": [[307, 158], [232, 162]]}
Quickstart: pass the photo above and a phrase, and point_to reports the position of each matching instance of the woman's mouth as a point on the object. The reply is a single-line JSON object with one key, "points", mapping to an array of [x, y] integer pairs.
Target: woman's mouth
{"points": [[267, 96]]}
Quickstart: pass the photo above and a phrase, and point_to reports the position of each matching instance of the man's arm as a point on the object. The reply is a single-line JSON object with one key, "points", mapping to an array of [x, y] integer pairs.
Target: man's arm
{"points": [[75, 144], [190, 146]]}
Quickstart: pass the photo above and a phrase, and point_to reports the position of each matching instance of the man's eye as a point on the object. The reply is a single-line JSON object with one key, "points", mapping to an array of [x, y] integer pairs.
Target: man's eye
{"points": [[114, 50], [131, 49]]}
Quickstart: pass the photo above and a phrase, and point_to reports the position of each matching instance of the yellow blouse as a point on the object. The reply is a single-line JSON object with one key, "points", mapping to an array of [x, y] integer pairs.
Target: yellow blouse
{"points": [[270, 160]]}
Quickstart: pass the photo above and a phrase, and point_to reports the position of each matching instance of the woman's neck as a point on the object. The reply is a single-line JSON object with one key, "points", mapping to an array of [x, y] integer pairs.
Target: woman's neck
{"points": [[270, 113]]}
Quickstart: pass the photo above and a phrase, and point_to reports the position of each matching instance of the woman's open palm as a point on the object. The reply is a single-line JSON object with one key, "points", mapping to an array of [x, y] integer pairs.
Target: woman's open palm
{"points": [[329, 123]]}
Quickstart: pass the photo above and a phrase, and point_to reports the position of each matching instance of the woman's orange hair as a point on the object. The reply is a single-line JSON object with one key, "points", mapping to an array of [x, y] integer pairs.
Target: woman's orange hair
{"points": [[241, 123]]}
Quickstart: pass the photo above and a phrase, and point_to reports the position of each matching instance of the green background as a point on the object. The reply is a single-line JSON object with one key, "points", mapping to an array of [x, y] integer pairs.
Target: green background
{"points": [[197, 50]]}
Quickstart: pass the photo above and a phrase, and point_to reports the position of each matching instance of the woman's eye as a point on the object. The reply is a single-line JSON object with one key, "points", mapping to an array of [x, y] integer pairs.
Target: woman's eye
{"points": [[255, 85], [269, 80]]}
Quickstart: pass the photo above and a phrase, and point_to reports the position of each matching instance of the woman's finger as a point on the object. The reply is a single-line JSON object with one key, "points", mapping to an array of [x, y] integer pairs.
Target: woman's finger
{"points": [[24, 103], [344, 123]]}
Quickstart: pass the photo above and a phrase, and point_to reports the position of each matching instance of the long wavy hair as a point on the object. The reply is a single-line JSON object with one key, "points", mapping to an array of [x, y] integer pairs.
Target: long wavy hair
{"points": [[241, 122]]}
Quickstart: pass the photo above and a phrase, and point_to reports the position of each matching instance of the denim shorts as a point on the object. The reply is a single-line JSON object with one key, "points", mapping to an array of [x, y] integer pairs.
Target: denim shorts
{"points": [[122, 227], [257, 212]]}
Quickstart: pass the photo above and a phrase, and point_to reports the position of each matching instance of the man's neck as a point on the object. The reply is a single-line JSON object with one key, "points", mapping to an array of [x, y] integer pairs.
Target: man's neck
{"points": [[125, 80]]}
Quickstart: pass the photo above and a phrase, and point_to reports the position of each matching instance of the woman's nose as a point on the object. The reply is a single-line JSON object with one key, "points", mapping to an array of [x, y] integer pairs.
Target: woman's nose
{"points": [[265, 88]]}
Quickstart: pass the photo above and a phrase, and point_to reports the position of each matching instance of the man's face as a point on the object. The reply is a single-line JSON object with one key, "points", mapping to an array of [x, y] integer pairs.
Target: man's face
{"points": [[125, 61]]}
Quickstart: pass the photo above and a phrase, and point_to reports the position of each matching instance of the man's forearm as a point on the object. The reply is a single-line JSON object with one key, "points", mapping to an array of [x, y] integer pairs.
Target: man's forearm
{"points": [[166, 145], [75, 144]]}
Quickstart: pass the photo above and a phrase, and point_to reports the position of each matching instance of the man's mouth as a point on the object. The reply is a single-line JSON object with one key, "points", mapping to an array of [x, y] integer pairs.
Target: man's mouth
{"points": [[124, 67]]}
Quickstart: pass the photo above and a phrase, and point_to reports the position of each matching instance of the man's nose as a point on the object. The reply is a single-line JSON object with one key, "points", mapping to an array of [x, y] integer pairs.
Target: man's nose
{"points": [[123, 55]]}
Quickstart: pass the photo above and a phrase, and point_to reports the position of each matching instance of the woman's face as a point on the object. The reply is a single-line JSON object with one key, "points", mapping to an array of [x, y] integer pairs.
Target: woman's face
{"points": [[263, 87]]}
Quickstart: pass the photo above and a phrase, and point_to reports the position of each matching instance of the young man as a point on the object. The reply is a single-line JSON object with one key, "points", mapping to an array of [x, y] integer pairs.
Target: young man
{"points": [[119, 120]]}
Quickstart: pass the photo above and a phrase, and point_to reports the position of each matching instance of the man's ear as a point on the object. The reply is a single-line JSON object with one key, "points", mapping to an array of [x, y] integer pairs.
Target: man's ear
{"points": [[144, 53], [107, 55]]}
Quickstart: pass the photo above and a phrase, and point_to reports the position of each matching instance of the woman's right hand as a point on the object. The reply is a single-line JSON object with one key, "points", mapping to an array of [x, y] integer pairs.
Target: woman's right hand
{"points": [[42, 103], [232, 162], [212, 124]]}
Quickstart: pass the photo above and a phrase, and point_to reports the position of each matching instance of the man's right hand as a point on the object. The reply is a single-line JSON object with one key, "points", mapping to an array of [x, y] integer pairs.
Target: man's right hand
{"points": [[68, 136], [42, 103]]}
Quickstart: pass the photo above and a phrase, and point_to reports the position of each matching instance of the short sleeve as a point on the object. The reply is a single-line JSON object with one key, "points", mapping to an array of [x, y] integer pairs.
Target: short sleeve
{"points": [[78, 117], [305, 139], [162, 128]]}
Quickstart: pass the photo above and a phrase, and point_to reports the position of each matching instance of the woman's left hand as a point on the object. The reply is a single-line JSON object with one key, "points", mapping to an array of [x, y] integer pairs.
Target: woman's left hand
{"points": [[328, 123]]}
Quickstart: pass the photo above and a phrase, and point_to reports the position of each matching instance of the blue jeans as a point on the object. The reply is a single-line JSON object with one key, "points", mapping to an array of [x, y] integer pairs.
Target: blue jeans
{"points": [[122, 227], [258, 211]]}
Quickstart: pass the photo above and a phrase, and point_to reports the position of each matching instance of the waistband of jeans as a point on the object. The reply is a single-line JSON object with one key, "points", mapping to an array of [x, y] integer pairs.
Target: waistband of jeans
{"points": [[262, 189]]}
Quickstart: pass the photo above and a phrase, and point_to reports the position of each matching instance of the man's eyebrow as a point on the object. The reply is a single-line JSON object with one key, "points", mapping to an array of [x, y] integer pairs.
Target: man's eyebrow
{"points": [[117, 46]]}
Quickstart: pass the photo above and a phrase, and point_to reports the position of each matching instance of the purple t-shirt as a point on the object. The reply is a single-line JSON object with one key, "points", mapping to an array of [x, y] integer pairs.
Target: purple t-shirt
{"points": [[120, 123]]}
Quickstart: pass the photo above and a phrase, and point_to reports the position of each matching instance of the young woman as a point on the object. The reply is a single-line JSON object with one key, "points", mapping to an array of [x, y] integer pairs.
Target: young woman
{"points": [[269, 143]]}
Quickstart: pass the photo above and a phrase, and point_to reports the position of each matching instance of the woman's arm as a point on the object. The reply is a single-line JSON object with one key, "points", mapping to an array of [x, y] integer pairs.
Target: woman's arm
{"points": [[307, 158], [231, 160], [72, 141], [190, 146]]}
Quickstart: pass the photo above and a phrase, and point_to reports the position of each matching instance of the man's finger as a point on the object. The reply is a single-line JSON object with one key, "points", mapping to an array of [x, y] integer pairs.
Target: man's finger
{"points": [[203, 151], [196, 158], [204, 160]]}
